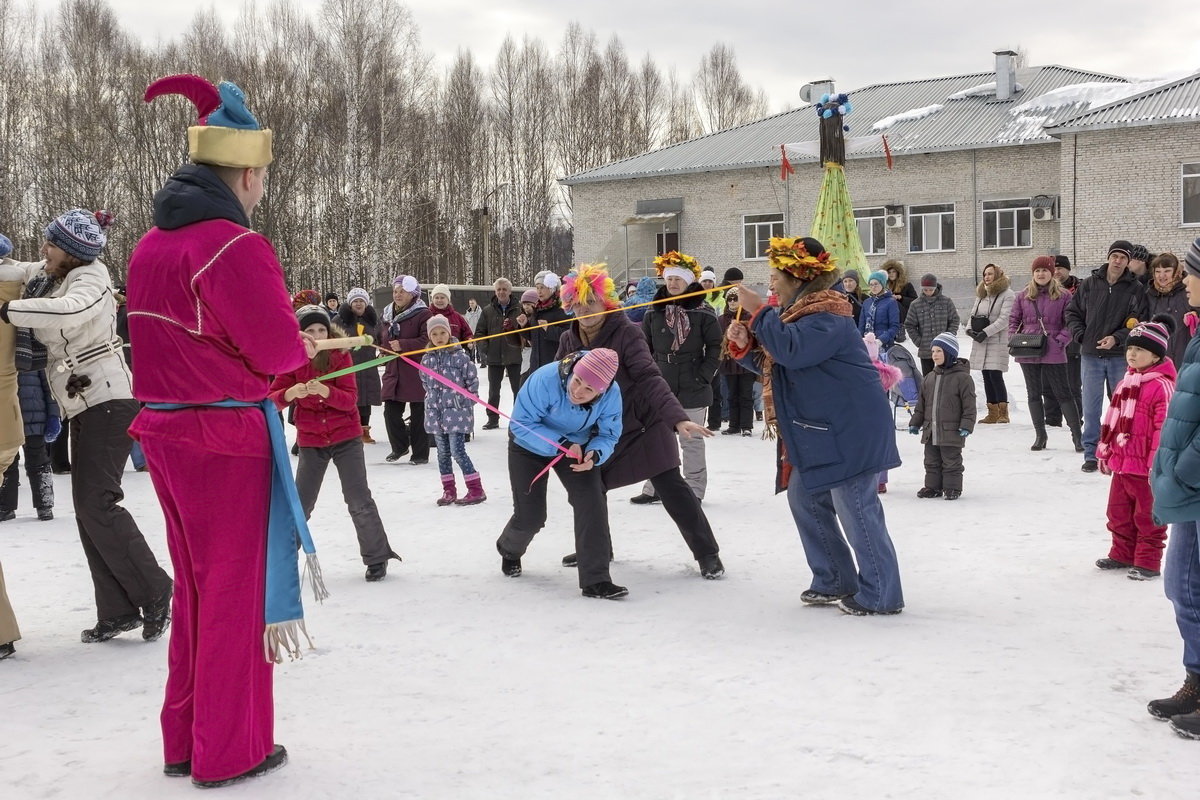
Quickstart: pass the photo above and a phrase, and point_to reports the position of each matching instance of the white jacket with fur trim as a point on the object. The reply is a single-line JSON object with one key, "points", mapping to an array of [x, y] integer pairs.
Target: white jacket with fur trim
{"points": [[77, 322]]}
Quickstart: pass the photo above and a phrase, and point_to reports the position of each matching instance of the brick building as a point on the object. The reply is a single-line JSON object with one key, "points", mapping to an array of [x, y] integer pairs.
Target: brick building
{"points": [[989, 168]]}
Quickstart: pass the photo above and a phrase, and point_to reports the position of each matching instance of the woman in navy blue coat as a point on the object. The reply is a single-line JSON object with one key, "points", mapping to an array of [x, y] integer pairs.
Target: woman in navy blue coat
{"points": [[825, 401]]}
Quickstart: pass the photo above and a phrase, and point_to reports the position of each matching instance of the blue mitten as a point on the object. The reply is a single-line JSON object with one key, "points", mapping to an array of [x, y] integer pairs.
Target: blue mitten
{"points": [[52, 430], [914, 430], [963, 432]]}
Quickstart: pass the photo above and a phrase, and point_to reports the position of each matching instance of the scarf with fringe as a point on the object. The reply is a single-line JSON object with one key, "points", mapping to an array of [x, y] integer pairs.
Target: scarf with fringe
{"points": [[1117, 426]]}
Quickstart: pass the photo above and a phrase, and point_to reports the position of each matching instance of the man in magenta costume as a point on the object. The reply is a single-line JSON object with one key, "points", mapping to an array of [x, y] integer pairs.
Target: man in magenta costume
{"points": [[188, 281]]}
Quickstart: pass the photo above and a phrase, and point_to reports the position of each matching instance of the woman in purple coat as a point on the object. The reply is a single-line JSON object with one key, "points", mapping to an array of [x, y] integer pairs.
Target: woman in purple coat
{"points": [[402, 330], [647, 448], [1041, 308]]}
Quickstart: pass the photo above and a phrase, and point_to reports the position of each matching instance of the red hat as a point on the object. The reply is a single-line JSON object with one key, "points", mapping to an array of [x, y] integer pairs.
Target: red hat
{"points": [[1042, 262]]}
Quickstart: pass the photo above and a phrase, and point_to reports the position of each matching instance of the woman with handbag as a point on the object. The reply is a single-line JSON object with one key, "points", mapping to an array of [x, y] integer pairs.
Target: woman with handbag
{"points": [[988, 326], [1038, 338]]}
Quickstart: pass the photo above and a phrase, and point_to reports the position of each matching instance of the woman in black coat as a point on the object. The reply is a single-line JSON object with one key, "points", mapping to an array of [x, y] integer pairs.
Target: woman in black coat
{"points": [[357, 316], [647, 448]]}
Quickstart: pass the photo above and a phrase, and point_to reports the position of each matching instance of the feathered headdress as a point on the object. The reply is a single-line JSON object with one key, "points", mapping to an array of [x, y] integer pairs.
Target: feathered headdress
{"points": [[226, 134], [803, 257], [680, 263], [588, 282]]}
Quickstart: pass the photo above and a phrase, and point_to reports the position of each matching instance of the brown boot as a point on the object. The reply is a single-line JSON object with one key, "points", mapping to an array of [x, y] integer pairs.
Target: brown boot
{"points": [[993, 415], [366, 435], [1002, 411]]}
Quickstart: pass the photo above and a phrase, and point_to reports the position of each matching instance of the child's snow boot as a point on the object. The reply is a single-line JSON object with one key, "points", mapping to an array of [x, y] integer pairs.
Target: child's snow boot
{"points": [[449, 491], [474, 491]]}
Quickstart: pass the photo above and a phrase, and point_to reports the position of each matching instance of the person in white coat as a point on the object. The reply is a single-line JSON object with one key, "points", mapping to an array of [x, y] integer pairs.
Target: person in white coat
{"points": [[69, 305], [988, 327]]}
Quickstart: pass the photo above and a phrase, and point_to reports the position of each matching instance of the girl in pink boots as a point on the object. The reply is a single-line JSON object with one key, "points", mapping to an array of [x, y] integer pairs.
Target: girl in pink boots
{"points": [[449, 415], [328, 429], [1128, 440]]}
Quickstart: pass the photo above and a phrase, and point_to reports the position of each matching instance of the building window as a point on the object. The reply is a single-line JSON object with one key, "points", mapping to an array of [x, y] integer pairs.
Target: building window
{"points": [[1007, 223], [1190, 178], [757, 230], [871, 229], [931, 228]]}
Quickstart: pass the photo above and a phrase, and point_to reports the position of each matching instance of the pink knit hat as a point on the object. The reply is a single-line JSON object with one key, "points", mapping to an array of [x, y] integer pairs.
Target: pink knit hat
{"points": [[597, 368], [529, 296]]}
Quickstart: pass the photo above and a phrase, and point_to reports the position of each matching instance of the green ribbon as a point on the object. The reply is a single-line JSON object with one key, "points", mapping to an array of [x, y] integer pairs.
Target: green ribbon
{"points": [[374, 362]]}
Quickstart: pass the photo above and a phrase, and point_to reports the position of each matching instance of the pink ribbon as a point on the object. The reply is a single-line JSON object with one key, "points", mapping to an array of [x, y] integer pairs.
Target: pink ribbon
{"points": [[442, 379]]}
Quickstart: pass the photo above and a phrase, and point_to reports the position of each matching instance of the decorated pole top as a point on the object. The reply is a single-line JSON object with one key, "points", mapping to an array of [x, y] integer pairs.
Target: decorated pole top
{"points": [[832, 110]]}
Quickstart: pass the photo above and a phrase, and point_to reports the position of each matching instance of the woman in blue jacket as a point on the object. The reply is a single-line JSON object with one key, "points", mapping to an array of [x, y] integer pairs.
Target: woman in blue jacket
{"points": [[1175, 481], [824, 398], [572, 402], [880, 312]]}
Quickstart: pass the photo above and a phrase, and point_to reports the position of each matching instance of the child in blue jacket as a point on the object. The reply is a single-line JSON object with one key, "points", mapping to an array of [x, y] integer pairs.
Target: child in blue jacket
{"points": [[572, 402], [43, 424]]}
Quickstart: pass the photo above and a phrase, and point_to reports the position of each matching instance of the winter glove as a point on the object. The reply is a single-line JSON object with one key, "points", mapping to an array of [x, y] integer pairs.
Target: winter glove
{"points": [[978, 336], [914, 430], [507, 326], [963, 432], [52, 430]]}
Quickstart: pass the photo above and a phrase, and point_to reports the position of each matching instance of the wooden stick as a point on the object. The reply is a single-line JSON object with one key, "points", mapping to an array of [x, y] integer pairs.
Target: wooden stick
{"points": [[345, 343]]}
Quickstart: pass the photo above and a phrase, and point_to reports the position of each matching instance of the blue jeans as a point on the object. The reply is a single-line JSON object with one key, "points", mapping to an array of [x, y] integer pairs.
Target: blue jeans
{"points": [[1095, 372], [139, 460], [875, 583], [453, 444], [1181, 581]]}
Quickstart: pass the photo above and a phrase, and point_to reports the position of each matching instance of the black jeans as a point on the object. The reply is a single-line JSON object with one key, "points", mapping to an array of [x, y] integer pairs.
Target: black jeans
{"points": [[124, 571], [1054, 413], [496, 374], [401, 436], [741, 401], [1049, 380], [994, 389], [585, 493], [715, 414]]}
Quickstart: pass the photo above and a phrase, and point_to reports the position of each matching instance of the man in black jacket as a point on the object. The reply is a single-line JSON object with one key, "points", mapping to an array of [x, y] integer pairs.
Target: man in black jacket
{"points": [[1098, 317], [503, 353]]}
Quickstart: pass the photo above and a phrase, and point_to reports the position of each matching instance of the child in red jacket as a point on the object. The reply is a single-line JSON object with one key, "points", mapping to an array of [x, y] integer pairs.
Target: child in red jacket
{"points": [[1128, 441], [328, 429]]}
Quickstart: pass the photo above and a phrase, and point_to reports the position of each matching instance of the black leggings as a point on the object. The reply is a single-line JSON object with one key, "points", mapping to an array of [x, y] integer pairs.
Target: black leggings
{"points": [[993, 386]]}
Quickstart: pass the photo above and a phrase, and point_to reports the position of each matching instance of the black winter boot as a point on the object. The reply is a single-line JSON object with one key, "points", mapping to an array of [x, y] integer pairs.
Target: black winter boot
{"points": [[43, 492], [269, 764], [605, 590], [1184, 701], [157, 616], [1187, 725], [108, 628], [1039, 438]]}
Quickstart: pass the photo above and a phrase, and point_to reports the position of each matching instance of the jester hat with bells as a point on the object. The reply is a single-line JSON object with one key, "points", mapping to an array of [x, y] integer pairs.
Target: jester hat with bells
{"points": [[226, 134], [806, 260]]}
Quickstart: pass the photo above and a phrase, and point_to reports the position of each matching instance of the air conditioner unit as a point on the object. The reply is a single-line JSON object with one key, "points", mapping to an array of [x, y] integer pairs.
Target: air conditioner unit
{"points": [[894, 220], [1044, 214]]}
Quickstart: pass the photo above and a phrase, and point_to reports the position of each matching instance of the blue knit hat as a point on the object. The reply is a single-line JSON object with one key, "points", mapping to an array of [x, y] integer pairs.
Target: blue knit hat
{"points": [[80, 233], [949, 344], [878, 275], [5, 245]]}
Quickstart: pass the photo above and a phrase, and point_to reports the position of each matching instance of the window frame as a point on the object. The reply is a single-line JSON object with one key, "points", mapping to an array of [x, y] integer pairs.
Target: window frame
{"points": [[952, 213], [1183, 178], [761, 256], [984, 211], [881, 216]]}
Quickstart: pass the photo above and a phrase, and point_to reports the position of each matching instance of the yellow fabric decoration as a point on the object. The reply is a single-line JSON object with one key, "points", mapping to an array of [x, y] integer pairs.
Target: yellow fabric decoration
{"points": [[229, 147]]}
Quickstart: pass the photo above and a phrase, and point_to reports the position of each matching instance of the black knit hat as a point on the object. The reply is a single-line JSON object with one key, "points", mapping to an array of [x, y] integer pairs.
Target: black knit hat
{"points": [[1154, 336], [1120, 246], [1139, 253], [732, 274], [332, 296], [312, 315], [1063, 261]]}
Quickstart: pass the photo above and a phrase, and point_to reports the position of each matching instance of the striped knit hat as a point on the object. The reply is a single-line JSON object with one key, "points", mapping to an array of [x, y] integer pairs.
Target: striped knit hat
{"points": [[1191, 261], [949, 344], [1154, 335], [80, 233], [597, 368]]}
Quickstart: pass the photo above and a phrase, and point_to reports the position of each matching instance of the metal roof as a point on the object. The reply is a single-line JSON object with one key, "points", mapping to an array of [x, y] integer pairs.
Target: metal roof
{"points": [[977, 120], [1177, 101]]}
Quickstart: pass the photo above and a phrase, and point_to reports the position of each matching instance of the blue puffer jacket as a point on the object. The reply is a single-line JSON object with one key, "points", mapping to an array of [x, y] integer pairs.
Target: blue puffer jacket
{"points": [[830, 406], [1175, 476], [543, 408], [37, 404], [880, 315]]}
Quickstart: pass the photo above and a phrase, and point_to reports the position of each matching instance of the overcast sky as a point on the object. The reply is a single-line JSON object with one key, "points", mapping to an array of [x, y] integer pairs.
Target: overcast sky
{"points": [[780, 46]]}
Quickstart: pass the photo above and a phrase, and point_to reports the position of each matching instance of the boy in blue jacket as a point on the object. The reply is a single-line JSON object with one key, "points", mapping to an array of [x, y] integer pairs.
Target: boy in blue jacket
{"points": [[572, 402]]}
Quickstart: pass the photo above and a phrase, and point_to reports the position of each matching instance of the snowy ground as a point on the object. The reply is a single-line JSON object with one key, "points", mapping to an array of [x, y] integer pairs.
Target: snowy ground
{"points": [[1016, 670]]}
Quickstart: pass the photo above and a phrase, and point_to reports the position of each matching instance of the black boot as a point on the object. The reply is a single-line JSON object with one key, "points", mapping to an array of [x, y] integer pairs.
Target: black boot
{"points": [[108, 628], [1071, 413], [605, 590], [1037, 413], [1039, 439], [43, 492], [711, 567], [271, 763], [1184, 701], [157, 616]]}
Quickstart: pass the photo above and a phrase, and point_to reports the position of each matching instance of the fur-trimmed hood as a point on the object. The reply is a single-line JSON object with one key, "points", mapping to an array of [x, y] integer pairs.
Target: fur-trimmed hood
{"points": [[901, 273], [998, 287]]}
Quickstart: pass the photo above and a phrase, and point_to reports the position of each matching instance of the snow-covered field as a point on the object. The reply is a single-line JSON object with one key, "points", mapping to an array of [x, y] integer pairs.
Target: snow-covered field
{"points": [[1016, 670]]}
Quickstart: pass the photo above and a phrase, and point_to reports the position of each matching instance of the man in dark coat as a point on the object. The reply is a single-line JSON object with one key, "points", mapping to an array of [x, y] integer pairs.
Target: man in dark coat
{"points": [[1098, 317], [652, 414], [502, 354]]}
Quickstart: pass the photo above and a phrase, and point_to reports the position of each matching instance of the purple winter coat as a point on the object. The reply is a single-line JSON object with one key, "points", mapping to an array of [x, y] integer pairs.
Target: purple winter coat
{"points": [[447, 411], [401, 381], [1024, 319], [647, 446]]}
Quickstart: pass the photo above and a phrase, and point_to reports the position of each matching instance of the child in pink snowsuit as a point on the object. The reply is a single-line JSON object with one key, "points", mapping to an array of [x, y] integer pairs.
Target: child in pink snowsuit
{"points": [[1128, 440]]}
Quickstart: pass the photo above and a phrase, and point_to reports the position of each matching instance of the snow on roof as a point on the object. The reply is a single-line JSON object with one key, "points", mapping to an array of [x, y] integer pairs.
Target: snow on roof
{"points": [[982, 90], [1092, 95], [907, 116]]}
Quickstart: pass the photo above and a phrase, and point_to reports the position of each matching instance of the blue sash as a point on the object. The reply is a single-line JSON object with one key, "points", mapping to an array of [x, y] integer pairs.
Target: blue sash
{"points": [[284, 615]]}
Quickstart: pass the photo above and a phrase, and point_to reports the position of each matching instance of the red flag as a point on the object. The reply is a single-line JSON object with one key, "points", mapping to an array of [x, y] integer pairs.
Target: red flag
{"points": [[785, 168], [887, 151]]}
